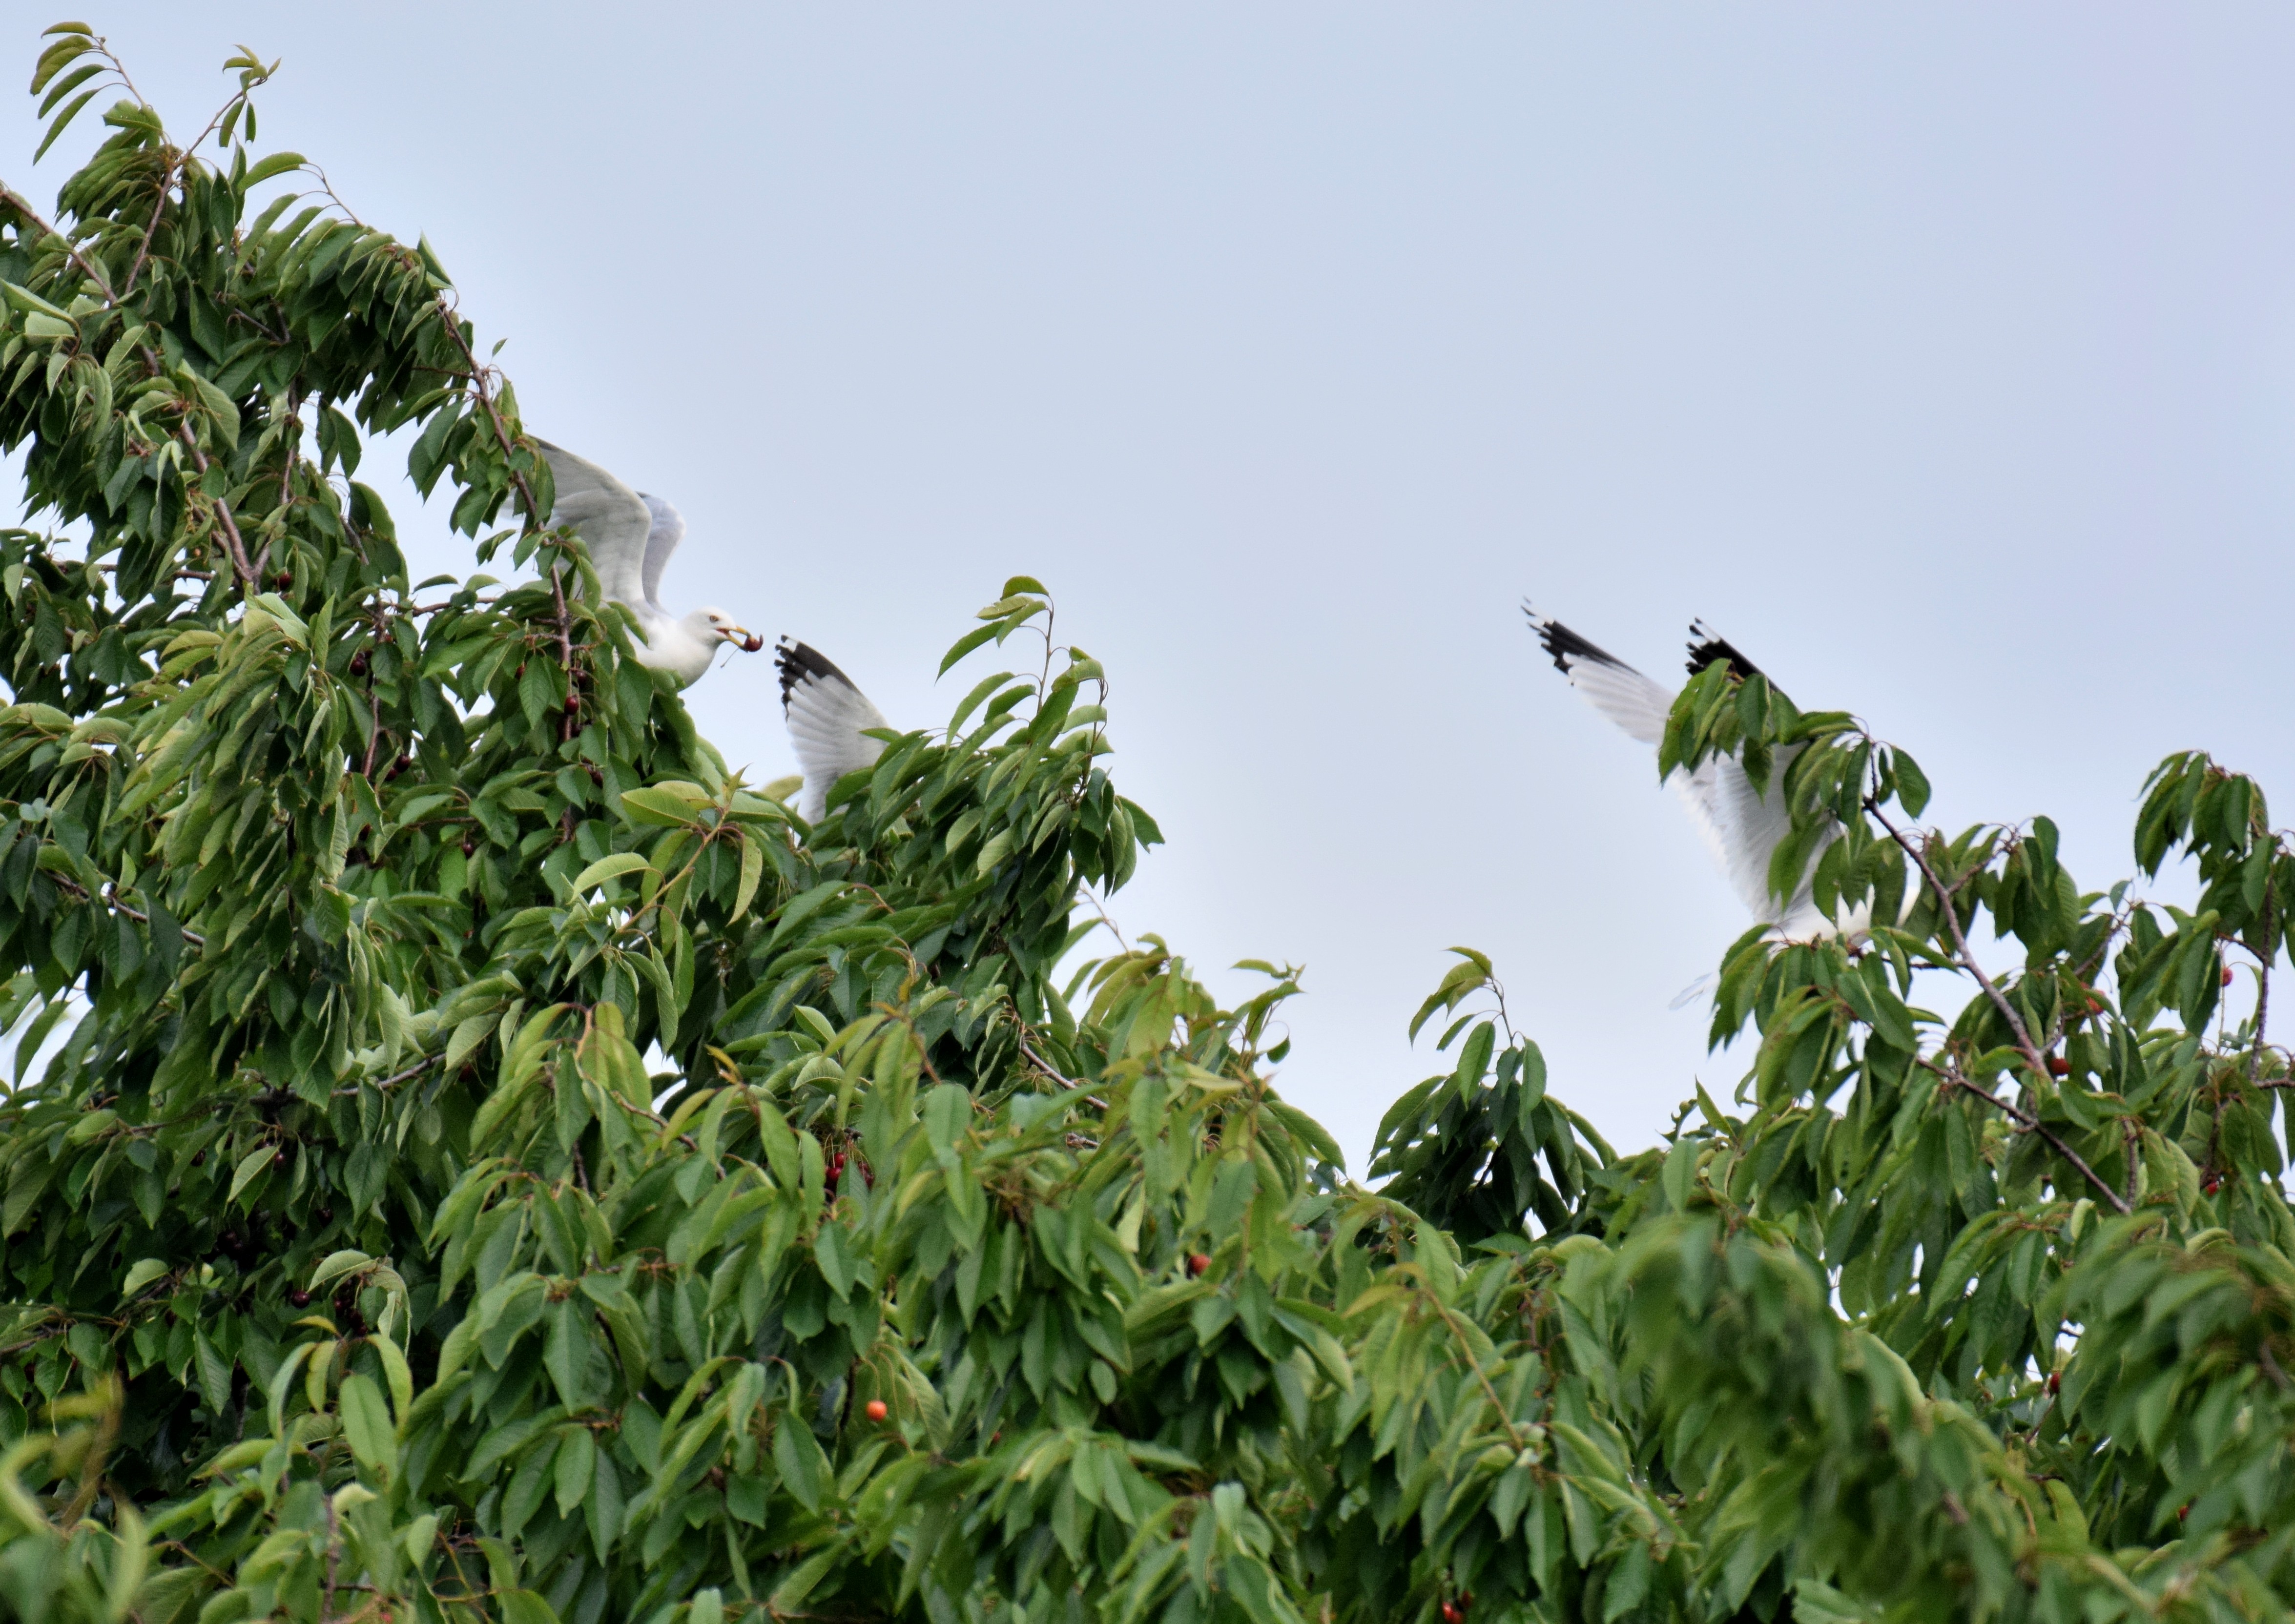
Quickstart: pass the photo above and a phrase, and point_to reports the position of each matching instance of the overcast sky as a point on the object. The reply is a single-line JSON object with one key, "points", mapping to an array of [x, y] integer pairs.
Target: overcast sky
{"points": [[1943, 356]]}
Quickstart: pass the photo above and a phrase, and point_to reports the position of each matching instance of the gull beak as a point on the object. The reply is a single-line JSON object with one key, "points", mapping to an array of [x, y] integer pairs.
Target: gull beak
{"points": [[749, 642]]}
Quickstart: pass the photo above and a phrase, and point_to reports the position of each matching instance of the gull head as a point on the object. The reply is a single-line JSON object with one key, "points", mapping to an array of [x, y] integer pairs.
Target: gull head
{"points": [[720, 626]]}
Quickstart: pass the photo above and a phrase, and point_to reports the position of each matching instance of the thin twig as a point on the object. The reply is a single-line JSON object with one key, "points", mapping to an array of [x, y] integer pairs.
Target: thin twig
{"points": [[294, 443], [1474, 1365], [15, 199], [177, 158], [2032, 1124], [2263, 985], [535, 519], [391, 1082], [110, 896], [334, 1550], [1960, 944], [239, 562], [1047, 1067]]}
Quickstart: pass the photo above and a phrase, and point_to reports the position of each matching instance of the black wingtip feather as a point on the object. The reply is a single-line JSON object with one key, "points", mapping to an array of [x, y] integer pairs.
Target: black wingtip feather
{"points": [[801, 662], [1707, 647], [1565, 645]]}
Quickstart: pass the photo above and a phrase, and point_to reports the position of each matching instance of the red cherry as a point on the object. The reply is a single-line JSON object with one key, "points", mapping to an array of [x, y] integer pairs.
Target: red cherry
{"points": [[2226, 975], [876, 1409], [2055, 1382], [1450, 1614], [2058, 1067], [1198, 1261], [300, 1298]]}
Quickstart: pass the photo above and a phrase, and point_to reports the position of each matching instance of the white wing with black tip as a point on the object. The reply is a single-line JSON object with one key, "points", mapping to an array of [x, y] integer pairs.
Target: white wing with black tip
{"points": [[1638, 705], [828, 723], [1625, 695], [613, 521]]}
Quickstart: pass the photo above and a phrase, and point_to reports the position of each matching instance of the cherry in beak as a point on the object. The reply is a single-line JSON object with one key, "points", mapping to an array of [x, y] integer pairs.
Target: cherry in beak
{"points": [[749, 640]]}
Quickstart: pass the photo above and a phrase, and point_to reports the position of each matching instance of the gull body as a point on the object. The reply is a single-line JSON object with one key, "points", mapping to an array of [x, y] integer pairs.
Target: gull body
{"points": [[630, 536], [829, 719], [1742, 826]]}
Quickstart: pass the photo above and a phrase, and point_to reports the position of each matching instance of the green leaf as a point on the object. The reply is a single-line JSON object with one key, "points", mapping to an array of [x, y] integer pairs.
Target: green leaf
{"points": [[964, 645], [264, 168], [254, 1161], [659, 808], [335, 1265], [610, 867], [753, 869], [367, 1426], [576, 1471], [61, 122]]}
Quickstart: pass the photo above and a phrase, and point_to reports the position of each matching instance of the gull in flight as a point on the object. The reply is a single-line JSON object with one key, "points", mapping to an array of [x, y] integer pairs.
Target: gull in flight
{"points": [[630, 536], [1742, 828], [827, 719]]}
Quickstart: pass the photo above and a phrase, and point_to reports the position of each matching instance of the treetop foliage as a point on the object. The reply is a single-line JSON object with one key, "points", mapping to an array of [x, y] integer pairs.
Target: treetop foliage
{"points": [[356, 1265]]}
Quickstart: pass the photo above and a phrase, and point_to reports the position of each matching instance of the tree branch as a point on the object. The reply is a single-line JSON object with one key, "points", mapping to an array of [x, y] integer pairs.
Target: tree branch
{"points": [[15, 199], [2033, 1124], [1960, 944], [111, 896], [535, 519], [2263, 985], [239, 563]]}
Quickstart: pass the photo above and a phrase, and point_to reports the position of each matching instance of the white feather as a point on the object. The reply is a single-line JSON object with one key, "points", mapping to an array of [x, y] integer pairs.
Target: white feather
{"points": [[827, 722]]}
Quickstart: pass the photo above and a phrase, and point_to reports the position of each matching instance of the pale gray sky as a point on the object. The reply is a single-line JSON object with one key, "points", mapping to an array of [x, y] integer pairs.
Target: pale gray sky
{"points": [[1944, 357]]}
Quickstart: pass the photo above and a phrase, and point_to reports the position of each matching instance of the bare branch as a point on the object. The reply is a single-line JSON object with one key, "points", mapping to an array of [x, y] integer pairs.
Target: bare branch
{"points": [[1960, 944], [237, 547], [2034, 1125], [2263, 985], [15, 199]]}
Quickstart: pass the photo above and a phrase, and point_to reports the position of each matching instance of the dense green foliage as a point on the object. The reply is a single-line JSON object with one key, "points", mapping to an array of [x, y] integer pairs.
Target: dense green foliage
{"points": [[353, 1265]]}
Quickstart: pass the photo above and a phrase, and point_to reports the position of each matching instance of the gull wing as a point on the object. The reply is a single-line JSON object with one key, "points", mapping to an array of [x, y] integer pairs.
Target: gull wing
{"points": [[612, 520], [827, 717], [661, 541], [1639, 705], [1611, 686]]}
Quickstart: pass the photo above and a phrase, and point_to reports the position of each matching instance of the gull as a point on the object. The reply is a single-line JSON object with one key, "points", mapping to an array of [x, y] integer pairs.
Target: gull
{"points": [[828, 722], [630, 536], [1742, 827]]}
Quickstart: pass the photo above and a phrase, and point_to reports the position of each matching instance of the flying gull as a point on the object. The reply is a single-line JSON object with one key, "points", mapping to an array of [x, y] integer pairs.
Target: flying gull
{"points": [[631, 535]]}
